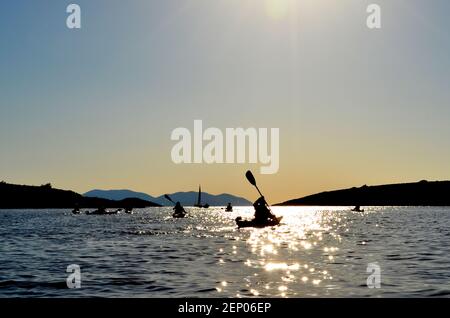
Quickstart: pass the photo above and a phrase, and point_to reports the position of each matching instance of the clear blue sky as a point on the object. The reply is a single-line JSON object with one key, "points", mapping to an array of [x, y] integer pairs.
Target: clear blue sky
{"points": [[94, 108]]}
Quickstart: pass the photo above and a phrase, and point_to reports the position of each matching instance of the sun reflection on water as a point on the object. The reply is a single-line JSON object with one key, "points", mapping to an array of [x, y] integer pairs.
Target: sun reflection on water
{"points": [[293, 254]]}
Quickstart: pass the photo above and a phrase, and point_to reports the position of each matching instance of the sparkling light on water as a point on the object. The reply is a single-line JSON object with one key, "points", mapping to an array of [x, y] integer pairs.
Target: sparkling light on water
{"points": [[316, 251]]}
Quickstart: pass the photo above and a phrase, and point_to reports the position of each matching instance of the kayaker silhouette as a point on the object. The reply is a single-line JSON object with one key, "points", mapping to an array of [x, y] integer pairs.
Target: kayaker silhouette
{"points": [[178, 209], [229, 208], [128, 210], [101, 210], [76, 210], [263, 216], [262, 212]]}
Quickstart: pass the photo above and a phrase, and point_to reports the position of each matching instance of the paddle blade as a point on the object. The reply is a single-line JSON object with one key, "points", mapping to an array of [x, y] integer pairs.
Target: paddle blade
{"points": [[168, 198], [250, 177]]}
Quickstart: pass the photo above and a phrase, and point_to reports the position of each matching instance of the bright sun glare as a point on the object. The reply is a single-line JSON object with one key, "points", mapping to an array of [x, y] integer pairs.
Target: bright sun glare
{"points": [[277, 9]]}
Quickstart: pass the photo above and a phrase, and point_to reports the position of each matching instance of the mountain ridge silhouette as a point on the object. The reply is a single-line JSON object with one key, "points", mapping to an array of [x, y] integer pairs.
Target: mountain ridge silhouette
{"points": [[15, 196], [422, 193], [187, 198]]}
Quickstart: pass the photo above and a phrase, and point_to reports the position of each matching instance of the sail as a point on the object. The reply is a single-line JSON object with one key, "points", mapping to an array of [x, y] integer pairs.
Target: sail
{"points": [[199, 200]]}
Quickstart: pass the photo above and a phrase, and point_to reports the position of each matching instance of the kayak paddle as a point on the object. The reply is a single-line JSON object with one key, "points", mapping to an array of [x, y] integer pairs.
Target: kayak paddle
{"points": [[168, 198], [252, 180]]}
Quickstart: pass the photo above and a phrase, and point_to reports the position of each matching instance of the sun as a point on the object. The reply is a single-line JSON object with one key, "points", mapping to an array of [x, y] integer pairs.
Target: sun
{"points": [[277, 9]]}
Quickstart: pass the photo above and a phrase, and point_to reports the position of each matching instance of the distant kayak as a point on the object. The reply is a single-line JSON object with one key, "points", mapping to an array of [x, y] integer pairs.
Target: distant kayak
{"points": [[205, 206], [179, 215], [102, 212], [252, 223], [357, 209]]}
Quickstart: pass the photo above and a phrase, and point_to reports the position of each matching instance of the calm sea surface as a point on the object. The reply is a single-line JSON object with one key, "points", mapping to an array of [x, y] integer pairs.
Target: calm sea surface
{"points": [[316, 252]]}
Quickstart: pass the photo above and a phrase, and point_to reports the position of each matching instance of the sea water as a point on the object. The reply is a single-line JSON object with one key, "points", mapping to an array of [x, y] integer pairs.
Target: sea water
{"points": [[315, 252]]}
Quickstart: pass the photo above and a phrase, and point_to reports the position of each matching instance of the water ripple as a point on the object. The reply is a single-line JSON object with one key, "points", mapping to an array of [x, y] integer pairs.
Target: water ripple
{"points": [[316, 252]]}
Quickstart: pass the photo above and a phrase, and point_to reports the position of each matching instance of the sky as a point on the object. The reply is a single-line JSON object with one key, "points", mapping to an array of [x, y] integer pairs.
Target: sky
{"points": [[94, 108]]}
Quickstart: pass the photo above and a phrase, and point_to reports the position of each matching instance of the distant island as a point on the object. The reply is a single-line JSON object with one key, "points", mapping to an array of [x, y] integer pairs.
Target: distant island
{"points": [[185, 198], [423, 193], [15, 196]]}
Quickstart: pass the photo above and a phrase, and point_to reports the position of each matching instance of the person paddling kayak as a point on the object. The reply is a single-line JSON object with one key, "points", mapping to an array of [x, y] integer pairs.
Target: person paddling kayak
{"points": [[263, 216], [229, 208], [358, 209], [129, 210], [76, 211], [178, 210], [262, 212]]}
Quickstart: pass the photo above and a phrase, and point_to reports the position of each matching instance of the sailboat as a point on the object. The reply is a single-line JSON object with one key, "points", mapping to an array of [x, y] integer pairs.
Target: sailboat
{"points": [[199, 200]]}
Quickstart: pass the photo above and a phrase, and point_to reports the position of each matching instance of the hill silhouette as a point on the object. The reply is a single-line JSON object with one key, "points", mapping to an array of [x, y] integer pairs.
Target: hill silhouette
{"points": [[185, 198], [190, 198], [15, 196], [119, 195], [423, 193]]}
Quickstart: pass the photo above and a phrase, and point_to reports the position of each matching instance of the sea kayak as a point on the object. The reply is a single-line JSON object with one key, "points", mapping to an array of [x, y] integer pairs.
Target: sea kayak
{"points": [[179, 215], [97, 212], [245, 223]]}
